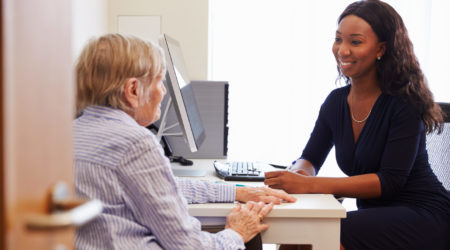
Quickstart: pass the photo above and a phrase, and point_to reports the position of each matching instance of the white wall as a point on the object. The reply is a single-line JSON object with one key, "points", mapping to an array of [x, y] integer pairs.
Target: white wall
{"points": [[89, 19], [185, 21]]}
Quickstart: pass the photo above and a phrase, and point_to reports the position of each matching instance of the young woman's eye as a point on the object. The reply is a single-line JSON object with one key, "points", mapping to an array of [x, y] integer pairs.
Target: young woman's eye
{"points": [[355, 42], [337, 39]]}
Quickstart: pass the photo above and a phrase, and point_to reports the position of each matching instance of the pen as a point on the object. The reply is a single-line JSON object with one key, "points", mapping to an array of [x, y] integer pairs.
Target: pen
{"points": [[278, 166]]}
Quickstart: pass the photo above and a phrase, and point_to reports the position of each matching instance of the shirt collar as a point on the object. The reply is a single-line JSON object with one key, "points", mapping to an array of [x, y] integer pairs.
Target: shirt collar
{"points": [[109, 113]]}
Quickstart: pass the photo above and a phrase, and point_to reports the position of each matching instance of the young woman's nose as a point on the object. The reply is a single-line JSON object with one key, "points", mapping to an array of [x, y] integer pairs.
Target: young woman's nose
{"points": [[343, 50]]}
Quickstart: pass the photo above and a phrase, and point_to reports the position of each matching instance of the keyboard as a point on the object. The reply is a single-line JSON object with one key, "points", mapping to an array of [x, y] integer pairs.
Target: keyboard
{"points": [[241, 170]]}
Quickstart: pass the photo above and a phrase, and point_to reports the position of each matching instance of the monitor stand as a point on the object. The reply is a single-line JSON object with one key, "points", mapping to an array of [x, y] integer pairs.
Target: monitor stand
{"points": [[180, 159]]}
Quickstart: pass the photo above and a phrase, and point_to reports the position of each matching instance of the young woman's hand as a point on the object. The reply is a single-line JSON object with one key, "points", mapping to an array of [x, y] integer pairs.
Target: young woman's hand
{"points": [[292, 182]]}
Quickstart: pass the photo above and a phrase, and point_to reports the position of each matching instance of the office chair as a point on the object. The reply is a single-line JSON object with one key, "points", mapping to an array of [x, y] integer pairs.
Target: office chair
{"points": [[438, 147]]}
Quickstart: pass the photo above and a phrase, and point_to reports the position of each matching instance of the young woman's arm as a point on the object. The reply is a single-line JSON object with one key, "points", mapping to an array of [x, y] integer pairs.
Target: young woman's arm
{"points": [[300, 179]]}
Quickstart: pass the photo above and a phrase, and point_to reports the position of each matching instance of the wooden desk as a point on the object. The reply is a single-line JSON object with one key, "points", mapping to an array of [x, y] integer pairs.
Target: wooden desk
{"points": [[313, 219]]}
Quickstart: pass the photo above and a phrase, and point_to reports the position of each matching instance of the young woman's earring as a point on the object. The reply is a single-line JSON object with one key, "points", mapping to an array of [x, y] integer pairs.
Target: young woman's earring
{"points": [[379, 58]]}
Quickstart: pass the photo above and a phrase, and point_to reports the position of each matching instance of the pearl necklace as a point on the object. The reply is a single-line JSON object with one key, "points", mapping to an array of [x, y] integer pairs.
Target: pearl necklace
{"points": [[353, 117]]}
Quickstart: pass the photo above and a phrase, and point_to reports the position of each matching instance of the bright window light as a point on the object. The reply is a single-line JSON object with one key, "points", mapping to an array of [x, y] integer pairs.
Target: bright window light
{"points": [[277, 58]]}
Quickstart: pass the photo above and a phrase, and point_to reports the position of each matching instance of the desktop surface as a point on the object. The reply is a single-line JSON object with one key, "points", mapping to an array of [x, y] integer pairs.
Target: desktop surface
{"points": [[313, 219], [307, 205]]}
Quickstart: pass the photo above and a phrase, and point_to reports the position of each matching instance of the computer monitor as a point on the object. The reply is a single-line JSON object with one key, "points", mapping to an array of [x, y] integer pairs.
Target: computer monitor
{"points": [[181, 95]]}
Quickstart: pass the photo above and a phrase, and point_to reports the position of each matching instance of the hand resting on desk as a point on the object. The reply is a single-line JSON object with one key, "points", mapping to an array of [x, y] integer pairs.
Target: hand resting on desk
{"points": [[292, 182], [264, 194], [246, 219]]}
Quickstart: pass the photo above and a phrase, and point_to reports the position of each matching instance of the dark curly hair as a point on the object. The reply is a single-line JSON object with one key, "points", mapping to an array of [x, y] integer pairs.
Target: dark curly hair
{"points": [[398, 71]]}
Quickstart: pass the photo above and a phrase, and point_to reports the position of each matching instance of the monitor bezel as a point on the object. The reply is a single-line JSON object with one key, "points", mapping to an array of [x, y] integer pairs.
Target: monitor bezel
{"points": [[176, 96]]}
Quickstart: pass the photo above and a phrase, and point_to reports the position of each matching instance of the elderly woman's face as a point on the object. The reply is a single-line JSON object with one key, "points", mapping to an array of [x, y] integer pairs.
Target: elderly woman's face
{"points": [[151, 111]]}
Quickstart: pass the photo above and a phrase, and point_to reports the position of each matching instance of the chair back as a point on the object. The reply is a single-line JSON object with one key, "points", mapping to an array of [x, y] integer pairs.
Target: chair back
{"points": [[438, 147]]}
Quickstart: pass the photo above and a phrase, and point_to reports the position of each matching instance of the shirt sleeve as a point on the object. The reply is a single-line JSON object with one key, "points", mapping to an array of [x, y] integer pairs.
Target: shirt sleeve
{"points": [[199, 191], [153, 196], [320, 141], [403, 140]]}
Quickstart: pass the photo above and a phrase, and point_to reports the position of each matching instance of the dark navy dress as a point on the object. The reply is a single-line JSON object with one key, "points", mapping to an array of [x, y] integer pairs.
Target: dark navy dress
{"points": [[413, 211]]}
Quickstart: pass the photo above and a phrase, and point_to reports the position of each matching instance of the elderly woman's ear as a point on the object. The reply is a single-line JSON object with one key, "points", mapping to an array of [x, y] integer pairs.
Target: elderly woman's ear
{"points": [[131, 92]]}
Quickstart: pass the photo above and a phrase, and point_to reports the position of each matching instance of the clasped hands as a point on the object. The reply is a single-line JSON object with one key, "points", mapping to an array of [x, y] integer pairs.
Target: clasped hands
{"points": [[246, 219]]}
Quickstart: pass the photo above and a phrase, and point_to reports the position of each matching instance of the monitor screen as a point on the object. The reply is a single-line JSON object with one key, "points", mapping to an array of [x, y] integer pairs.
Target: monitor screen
{"points": [[181, 93]]}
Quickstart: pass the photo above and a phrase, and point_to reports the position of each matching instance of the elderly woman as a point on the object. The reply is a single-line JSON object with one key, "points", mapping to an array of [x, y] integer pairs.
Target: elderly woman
{"points": [[120, 162]]}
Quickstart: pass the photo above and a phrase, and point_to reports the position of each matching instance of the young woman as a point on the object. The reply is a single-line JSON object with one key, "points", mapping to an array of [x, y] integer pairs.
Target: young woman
{"points": [[377, 124]]}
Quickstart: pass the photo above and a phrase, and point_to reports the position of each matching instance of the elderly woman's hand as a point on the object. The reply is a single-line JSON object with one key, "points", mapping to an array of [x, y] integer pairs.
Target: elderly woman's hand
{"points": [[246, 219], [264, 194]]}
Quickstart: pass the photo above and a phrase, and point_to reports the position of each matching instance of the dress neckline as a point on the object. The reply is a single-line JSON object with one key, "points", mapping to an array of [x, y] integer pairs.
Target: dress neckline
{"points": [[348, 118]]}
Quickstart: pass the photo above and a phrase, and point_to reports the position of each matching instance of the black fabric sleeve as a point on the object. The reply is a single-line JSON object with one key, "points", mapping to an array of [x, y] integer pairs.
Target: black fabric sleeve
{"points": [[400, 151], [320, 141]]}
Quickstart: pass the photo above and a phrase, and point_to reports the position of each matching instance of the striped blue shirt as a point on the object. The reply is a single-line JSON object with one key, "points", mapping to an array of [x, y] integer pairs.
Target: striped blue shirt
{"points": [[145, 207]]}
